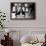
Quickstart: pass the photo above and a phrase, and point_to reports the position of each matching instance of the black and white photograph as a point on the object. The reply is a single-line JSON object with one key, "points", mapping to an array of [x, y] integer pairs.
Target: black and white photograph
{"points": [[22, 10]]}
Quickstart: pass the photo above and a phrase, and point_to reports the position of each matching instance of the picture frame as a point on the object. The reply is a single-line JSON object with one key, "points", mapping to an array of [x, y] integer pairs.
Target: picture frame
{"points": [[22, 11]]}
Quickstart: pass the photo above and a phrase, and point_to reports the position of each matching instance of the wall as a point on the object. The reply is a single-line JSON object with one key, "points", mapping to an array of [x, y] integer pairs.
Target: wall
{"points": [[40, 14]]}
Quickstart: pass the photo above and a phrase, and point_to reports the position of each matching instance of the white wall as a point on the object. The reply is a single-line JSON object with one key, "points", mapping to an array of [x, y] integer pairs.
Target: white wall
{"points": [[40, 14], [26, 25]]}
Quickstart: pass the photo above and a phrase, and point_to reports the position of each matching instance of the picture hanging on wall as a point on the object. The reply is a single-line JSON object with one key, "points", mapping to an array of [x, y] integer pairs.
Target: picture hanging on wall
{"points": [[22, 11]]}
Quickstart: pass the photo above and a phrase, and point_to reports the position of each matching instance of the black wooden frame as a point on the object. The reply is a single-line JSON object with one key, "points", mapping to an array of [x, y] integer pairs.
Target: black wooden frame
{"points": [[33, 14]]}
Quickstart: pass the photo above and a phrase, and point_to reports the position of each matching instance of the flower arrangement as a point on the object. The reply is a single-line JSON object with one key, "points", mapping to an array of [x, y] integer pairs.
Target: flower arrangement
{"points": [[2, 19]]}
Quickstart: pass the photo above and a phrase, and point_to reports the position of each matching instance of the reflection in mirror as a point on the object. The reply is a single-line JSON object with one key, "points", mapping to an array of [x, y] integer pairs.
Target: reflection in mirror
{"points": [[9, 39]]}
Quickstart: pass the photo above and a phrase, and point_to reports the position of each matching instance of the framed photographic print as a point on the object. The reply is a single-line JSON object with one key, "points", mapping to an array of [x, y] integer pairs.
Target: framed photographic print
{"points": [[22, 11]]}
